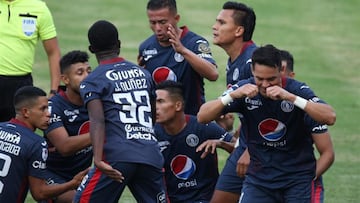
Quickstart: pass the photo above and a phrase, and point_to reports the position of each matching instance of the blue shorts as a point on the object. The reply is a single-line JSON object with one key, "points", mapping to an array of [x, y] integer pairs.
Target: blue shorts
{"points": [[317, 191], [145, 182], [228, 180], [299, 192]]}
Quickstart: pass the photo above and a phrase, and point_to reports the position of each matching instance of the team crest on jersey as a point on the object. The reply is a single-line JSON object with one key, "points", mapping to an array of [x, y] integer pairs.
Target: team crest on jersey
{"points": [[271, 129], [204, 47], [235, 74], [287, 106], [178, 57], [192, 140], [182, 166], [28, 26], [44, 154]]}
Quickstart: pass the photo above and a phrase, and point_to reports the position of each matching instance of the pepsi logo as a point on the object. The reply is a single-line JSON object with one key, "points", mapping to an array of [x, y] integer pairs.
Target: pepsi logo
{"points": [[163, 73], [271, 129], [182, 167], [84, 128]]}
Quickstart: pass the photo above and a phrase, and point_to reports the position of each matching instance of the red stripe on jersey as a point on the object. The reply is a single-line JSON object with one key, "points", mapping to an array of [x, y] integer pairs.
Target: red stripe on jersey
{"points": [[85, 196]]}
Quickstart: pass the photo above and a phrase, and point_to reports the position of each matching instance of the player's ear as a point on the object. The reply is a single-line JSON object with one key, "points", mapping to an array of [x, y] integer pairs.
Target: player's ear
{"points": [[91, 49], [179, 106], [239, 31]]}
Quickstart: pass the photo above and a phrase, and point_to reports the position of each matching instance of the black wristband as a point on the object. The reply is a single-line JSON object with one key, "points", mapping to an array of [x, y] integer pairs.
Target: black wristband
{"points": [[53, 91]]}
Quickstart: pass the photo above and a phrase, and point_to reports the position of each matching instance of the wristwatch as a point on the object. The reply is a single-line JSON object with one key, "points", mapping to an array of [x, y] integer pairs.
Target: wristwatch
{"points": [[53, 91]]}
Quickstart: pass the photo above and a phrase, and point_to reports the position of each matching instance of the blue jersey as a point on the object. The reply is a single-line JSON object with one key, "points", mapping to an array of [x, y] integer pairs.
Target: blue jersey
{"points": [[22, 153], [278, 136], [188, 177], [125, 90], [155, 56], [75, 120], [240, 68]]}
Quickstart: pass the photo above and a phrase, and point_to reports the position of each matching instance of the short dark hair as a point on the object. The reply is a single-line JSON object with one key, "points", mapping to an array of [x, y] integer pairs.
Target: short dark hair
{"points": [[103, 36], [27, 96], [288, 57], [243, 16], [159, 4], [73, 57], [174, 88], [267, 55]]}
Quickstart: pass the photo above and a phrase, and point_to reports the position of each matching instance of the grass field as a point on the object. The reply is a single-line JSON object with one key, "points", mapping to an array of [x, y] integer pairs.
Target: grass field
{"points": [[322, 35]]}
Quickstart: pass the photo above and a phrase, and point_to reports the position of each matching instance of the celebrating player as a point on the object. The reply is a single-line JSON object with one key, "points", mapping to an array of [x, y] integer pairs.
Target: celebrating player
{"points": [[177, 51], [119, 96], [189, 177], [68, 131], [23, 153], [281, 114]]}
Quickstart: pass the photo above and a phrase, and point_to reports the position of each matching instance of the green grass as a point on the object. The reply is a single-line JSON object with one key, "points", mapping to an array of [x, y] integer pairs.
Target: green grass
{"points": [[322, 35]]}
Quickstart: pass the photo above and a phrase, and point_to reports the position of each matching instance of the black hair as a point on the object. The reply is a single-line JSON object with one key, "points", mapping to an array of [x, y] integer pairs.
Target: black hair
{"points": [[243, 16], [26, 96], [103, 36], [267, 55], [73, 57], [159, 4], [288, 57], [174, 88]]}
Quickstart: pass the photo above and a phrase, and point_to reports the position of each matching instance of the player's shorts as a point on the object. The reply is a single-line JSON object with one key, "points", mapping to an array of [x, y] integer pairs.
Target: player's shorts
{"points": [[317, 191], [296, 193], [52, 178], [145, 182], [228, 180]]}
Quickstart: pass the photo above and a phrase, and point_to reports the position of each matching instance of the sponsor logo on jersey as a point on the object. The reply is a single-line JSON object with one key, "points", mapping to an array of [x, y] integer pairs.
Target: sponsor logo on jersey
{"points": [[319, 128], [182, 167], [163, 145], [55, 118], [148, 53], [161, 197], [84, 128], [29, 26], [163, 73], [271, 129], [192, 140], [115, 75], [71, 114], [254, 103], [39, 164], [286, 106]]}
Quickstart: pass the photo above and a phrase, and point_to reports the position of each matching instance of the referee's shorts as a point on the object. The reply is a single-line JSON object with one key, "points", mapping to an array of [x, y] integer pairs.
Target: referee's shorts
{"points": [[8, 87]]}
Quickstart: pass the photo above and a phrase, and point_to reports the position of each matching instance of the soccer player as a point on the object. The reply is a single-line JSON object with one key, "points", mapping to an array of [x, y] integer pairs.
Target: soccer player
{"points": [[281, 115], [68, 131], [177, 54], [322, 142], [233, 32], [119, 96], [188, 176], [23, 24], [23, 153]]}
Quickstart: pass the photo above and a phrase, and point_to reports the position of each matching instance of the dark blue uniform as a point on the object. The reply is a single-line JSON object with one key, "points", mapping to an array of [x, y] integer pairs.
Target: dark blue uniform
{"points": [[279, 142], [154, 56], [75, 120], [237, 70], [130, 145], [188, 177], [22, 153], [240, 68]]}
